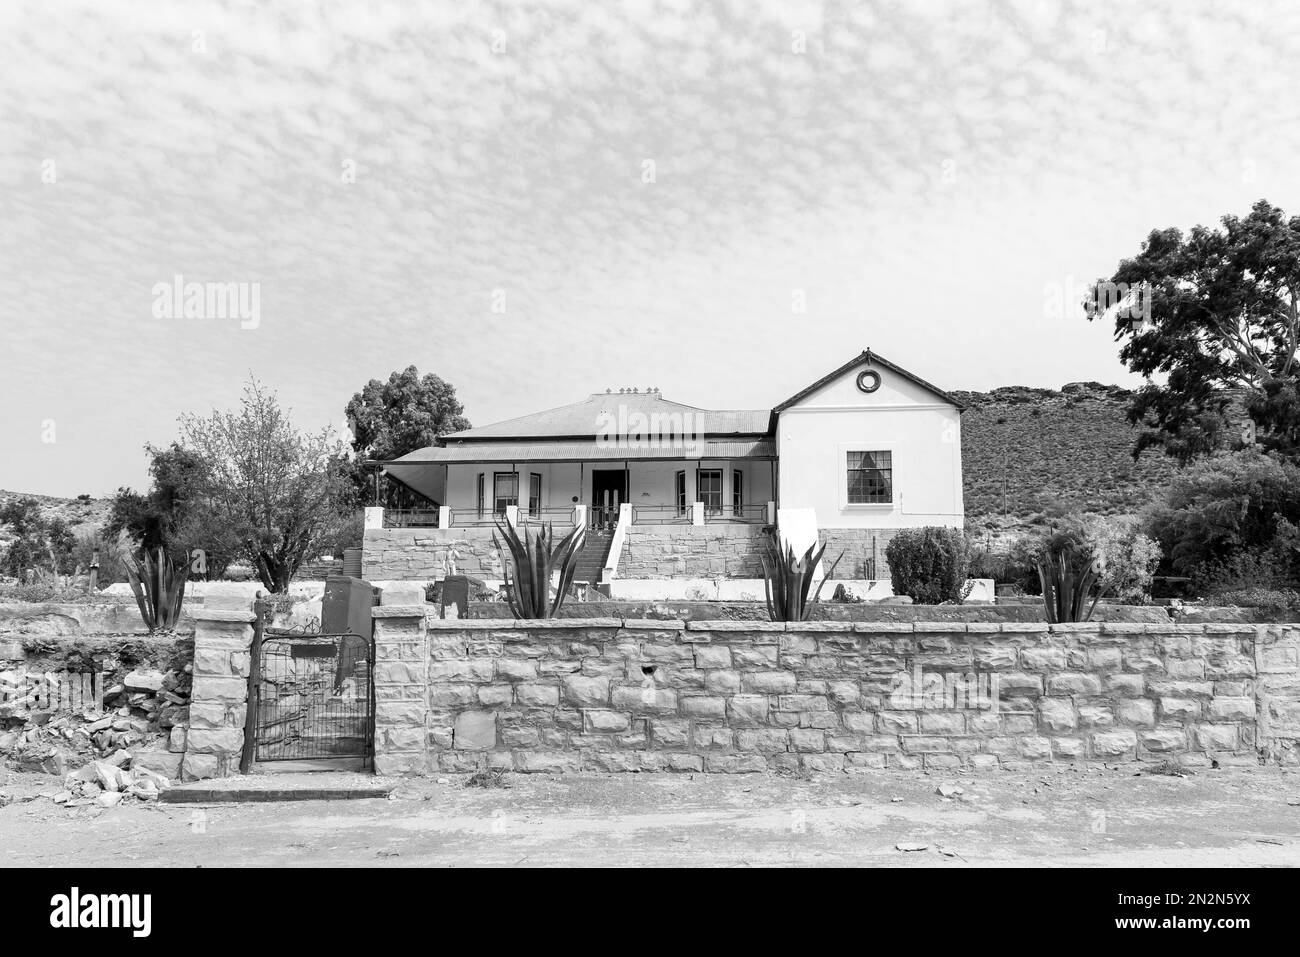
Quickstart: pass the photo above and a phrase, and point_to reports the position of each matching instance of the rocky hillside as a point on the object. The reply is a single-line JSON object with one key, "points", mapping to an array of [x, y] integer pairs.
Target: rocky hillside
{"points": [[1025, 449], [83, 512]]}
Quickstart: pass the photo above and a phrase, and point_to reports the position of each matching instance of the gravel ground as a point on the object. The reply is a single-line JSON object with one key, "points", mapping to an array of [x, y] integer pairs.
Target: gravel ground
{"points": [[1058, 816]]}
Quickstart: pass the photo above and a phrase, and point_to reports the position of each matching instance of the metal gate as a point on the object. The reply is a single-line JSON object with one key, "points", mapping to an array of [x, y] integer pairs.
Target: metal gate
{"points": [[313, 698]]}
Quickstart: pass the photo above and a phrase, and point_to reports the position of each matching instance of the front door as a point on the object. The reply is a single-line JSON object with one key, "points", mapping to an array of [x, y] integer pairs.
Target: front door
{"points": [[608, 490]]}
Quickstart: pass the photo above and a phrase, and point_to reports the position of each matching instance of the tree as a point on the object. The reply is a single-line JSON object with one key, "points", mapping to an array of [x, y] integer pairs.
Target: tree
{"points": [[174, 514], [1217, 312], [38, 542], [1229, 506], [276, 491], [408, 412]]}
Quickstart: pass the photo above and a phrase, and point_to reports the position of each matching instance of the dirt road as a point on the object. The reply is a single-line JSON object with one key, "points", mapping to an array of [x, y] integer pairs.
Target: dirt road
{"points": [[1058, 816]]}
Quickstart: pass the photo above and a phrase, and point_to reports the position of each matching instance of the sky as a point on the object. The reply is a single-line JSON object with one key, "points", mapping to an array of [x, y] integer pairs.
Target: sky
{"points": [[723, 200]]}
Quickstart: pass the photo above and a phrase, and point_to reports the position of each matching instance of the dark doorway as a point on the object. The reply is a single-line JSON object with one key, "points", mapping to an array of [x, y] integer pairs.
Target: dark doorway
{"points": [[608, 491]]}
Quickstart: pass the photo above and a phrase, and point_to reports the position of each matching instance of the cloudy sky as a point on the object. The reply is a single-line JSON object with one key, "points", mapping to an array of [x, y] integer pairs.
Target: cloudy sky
{"points": [[537, 201]]}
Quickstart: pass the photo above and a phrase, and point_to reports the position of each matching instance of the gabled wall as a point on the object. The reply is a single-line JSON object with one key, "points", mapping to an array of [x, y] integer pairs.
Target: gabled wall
{"points": [[921, 430]]}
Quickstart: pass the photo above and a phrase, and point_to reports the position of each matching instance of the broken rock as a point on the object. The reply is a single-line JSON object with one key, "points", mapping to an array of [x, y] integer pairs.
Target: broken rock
{"points": [[105, 775], [144, 680]]}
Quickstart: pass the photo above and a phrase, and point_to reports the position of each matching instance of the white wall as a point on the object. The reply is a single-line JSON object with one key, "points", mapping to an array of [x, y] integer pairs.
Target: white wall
{"points": [[921, 431]]}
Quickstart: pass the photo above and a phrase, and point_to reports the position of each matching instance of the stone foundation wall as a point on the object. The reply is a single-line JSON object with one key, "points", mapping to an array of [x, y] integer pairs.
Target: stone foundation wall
{"points": [[860, 546], [613, 694], [692, 551], [649, 551], [421, 553]]}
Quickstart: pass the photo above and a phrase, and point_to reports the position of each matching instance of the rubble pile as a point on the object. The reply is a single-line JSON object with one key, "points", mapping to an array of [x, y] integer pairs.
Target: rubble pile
{"points": [[143, 709], [109, 782]]}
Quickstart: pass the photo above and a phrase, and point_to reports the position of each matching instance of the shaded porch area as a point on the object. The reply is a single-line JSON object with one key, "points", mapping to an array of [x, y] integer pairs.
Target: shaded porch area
{"points": [[480, 484]]}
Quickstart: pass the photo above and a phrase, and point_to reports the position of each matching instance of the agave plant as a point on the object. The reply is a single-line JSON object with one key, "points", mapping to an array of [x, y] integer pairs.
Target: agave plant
{"points": [[786, 580], [1066, 588], [528, 563], [159, 588]]}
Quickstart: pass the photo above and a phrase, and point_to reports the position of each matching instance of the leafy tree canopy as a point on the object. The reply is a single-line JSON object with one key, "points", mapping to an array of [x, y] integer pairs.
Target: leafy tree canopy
{"points": [[277, 492], [389, 419], [1226, 505], [408, 412], [1214, 312]]}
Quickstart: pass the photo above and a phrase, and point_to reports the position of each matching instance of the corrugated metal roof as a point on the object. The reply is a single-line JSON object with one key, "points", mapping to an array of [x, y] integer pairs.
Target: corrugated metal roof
{"points": [[618, 413], [586, 452]]}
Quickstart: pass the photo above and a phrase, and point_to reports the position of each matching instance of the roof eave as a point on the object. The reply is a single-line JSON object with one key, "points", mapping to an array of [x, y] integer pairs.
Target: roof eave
{"points": [[869, 357]]}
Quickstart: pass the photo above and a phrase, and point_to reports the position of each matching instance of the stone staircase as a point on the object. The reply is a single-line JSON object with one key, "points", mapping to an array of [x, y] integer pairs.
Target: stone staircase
{"points": [[592, 556]]}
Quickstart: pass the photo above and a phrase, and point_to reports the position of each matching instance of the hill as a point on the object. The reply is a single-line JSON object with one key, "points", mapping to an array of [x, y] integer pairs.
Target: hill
{"points": [[81, 514], [1025, 449]]}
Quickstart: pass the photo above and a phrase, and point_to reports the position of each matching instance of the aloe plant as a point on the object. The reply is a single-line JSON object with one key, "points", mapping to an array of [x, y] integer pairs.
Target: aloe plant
{"points": [[1066, 589], [158, 586], [787, 579], [528, 563]]}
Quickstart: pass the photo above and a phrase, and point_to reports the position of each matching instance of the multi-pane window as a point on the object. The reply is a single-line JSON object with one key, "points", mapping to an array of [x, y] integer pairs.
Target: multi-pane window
{"points": [[737, 491], [871, 478], [505, 491], [710, 490], [534, 494], [680, 488]]}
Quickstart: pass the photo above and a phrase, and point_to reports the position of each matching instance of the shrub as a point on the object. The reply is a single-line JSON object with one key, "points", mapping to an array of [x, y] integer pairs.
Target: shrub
{"points": [[1226, 506], [47, 589], [930, 565], [111, 567], [1127, 559], [1266, 569]]}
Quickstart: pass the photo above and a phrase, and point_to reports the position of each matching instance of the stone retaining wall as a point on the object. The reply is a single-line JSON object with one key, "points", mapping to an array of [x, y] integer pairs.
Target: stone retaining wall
{"points": [[859, 547], [421, 553], [693, 551], [614, 694]]}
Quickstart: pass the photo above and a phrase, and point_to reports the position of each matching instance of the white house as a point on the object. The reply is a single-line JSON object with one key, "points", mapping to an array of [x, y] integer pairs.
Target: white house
{"points": [[667, 490]]}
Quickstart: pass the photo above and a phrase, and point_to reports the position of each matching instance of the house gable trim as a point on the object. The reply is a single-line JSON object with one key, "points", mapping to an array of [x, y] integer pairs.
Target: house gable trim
{"points": [[869, 358]]}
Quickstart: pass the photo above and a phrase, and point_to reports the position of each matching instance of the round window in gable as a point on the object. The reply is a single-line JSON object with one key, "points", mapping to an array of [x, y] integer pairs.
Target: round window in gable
{"points": [[868, 381]]}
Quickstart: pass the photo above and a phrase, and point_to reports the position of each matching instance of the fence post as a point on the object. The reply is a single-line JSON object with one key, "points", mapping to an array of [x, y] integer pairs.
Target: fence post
{"points": [[254, 688]]}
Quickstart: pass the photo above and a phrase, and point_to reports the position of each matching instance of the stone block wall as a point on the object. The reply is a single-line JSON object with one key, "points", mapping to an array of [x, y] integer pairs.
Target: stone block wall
{"points": [[1277, 691], [859, 546], [219, 700], [693, 551], [421, 553], [728, 696]]}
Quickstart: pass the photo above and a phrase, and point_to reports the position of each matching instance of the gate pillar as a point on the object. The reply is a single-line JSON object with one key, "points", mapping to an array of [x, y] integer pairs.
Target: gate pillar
{"points": [[219, 702], [401, 689]]}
